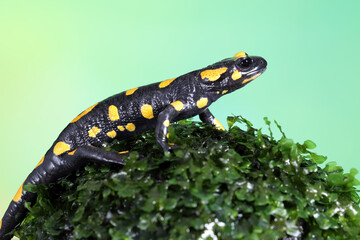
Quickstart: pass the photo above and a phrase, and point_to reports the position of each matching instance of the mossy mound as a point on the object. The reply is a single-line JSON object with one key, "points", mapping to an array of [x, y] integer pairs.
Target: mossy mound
{"points": [[238, 184]]}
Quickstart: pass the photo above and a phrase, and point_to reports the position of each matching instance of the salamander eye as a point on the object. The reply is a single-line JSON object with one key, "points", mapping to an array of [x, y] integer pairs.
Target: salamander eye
{"points": [[246, 63]]}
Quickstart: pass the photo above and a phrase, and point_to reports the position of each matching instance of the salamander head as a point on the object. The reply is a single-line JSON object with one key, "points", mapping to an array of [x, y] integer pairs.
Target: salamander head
{"points": [[232, 73]]}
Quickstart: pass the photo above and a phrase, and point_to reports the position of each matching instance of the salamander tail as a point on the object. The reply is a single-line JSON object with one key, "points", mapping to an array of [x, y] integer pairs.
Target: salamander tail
{"points": [[15, 213]]}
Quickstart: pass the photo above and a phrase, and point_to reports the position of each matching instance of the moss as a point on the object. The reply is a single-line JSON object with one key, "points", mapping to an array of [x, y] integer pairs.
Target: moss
{"points": [[239, 184]]}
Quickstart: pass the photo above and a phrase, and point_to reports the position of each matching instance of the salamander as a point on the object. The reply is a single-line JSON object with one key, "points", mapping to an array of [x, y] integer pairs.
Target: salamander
{"points": [[128, 113]]}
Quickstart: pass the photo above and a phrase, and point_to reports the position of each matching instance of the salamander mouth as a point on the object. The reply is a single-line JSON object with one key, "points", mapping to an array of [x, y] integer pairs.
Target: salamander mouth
{"points": [[255, 71]]}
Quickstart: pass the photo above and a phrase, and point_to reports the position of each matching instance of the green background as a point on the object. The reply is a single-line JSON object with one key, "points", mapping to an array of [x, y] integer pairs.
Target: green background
{"points": [[59, 57]]}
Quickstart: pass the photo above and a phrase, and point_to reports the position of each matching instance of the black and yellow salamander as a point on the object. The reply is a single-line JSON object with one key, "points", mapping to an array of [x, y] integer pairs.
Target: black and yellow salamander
{"points": [[132, 112]]}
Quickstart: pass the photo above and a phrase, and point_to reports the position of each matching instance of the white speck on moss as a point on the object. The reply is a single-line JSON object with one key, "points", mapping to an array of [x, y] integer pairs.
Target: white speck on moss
{"points": [[209, 232]]}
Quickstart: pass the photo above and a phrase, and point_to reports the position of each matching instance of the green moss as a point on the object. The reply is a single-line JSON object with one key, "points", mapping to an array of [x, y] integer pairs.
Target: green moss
{"points": [[241, 184]]}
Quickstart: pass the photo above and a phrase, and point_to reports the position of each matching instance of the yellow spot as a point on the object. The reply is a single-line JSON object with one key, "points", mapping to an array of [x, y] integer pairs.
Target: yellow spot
{"points": [[72, 152], [0, 223], [213, 74], [131, 91], [249, 79], [41, 161], [236, 75], [166, 123], [218, 125], [147, 111], [178, 105], [166, 83], [240, 55], [172, 144], [111, 134], [83, 113], [130, 127], [123, 152], [224, 91], [113, 113], [202, 102], [121, 128], [18, 194], [60, 148], [217, 92], [94, 131], [167, 135]]}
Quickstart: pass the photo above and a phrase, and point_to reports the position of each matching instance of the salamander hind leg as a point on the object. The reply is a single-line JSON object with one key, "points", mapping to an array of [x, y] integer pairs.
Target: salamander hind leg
{"points": [[99, 155]]}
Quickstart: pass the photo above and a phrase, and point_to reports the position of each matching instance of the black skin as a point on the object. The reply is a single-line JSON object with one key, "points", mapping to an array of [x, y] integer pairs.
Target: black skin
{"points": [[188, 89]]}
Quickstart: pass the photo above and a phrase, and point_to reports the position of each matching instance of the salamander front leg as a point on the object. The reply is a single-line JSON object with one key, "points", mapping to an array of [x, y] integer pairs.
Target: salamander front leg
{"points": [[207, 117], [163, 122]]}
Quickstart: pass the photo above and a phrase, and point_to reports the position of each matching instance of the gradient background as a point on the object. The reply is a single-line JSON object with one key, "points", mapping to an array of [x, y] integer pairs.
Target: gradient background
{"points": [[59, 57]]}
